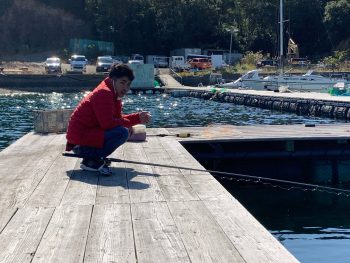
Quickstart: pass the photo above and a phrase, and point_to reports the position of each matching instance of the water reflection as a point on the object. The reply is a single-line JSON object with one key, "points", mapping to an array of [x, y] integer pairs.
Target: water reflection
{"points": [[313, 226], [16, 112]]}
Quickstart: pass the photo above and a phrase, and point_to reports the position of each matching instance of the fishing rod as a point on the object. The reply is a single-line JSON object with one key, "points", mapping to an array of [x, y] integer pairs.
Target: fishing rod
{"points": [[228, 174], [180, 135]]}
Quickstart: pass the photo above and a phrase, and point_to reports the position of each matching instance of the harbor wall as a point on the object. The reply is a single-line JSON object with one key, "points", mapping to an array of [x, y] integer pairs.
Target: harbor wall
{"points": [[50, 83], [304, 107], [62, 83]]}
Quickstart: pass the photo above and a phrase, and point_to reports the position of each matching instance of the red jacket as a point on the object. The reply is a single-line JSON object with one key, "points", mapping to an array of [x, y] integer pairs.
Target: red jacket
{"points": [[98, 111]]}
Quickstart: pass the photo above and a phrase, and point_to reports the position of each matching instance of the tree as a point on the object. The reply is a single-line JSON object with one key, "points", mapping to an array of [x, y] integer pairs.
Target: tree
{"points": [[29, 26], [257, 22], [337, 19]]}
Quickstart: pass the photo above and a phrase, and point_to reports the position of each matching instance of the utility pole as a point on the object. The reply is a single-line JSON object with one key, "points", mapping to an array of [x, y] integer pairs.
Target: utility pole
{"points": [[281, 37], [229, 59]]}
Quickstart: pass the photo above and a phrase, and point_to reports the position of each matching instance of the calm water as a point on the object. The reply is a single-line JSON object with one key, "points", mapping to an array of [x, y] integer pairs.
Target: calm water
{"points": [[314, 227]]}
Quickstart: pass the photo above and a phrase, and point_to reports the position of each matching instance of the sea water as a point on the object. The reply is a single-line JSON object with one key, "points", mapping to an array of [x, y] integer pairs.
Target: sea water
{"points": [[17, 118], [315, 227]]}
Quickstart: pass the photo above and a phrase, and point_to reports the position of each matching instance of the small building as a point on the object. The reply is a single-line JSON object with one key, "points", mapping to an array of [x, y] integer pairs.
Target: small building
{"points": [[185, 52], [226, 56], [144, 76]]}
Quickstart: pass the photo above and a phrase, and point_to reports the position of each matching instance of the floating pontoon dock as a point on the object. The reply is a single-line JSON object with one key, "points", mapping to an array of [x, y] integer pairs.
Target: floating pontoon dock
{"points": [[51, 211]]}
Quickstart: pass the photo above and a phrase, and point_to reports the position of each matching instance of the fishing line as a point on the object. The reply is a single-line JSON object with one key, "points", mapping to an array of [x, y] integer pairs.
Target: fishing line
{"points": [[244, 177]]}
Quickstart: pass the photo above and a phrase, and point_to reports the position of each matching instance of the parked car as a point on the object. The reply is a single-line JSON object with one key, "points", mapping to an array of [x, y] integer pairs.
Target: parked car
{"points": [[267, 62], [104, 63], [78, 63], [118, 59], [200, 63], [157, 61], [135, 61], [53, 65], [161, 62], [137, 57]]}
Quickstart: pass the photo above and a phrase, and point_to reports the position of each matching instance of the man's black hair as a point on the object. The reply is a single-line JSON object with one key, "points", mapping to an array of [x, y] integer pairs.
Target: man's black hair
{"points": [[121, 70]]}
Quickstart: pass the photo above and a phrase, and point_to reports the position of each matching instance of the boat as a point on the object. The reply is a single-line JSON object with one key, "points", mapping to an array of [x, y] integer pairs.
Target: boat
{"points": [[310, 81], [307, 82], [249, 80]]}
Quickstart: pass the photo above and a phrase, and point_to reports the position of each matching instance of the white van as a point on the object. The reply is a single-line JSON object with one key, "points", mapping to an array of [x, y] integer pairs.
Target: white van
{"points": [[178, 63], [136, 57], [78, 63]]}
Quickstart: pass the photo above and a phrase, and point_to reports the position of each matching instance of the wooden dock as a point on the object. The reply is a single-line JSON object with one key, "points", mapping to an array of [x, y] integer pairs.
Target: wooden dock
{"points": [[51, 211]]}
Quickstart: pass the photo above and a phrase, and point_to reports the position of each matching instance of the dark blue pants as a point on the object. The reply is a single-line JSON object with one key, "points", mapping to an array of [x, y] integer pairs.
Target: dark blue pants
{"points": [[113, 139]]}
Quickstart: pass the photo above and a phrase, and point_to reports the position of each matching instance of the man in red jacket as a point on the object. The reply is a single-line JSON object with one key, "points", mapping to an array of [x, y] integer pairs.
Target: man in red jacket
{"points": [[97, 126]]}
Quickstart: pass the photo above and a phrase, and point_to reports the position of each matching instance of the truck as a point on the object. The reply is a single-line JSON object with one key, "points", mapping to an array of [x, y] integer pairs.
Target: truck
{"points": [[157, 61], [186, 52], [178, 63]]}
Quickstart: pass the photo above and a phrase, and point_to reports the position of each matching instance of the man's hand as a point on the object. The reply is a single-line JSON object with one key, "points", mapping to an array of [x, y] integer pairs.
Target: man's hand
{"points": [[145, 117]]}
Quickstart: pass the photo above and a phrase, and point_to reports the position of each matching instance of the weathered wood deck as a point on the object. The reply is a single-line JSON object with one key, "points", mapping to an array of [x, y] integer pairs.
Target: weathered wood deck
{"points": [[51, 211]]}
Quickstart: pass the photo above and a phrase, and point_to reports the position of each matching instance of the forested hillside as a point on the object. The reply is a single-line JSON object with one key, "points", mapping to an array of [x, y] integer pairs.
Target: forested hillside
{"points": [[157, 26]]}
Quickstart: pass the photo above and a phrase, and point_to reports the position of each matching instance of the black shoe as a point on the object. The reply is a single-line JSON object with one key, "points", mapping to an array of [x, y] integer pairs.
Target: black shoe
{"points": [[96, 166], [92, 165]]}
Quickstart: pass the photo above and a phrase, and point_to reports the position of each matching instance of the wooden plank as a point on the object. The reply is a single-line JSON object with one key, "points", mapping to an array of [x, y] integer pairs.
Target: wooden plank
{"points": [[181, 157], [160, 155], [65, 237], [251, 239], [176, 188], [189, 232], [26, 140], [265, 132], [114, 189], [153, 144], [142, 183], [208, 188], [156, 131], [20, 159], [203, 237], [50, 190], [21, 173], [81, 189], [204, 184], [110, 236], [20, 238], [15, 191], [156, 236], [5, 216]]}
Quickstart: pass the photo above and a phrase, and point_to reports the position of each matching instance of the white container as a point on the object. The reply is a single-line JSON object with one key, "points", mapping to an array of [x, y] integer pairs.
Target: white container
{"points": [[138, 133], [139, 128]]}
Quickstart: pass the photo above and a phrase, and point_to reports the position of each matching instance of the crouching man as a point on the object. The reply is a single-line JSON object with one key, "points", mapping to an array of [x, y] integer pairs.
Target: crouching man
{"points": [[97, 126]]}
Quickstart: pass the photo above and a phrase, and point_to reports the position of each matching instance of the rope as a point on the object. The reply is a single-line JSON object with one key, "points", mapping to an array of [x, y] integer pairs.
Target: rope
{"points": [[243, 177]]}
